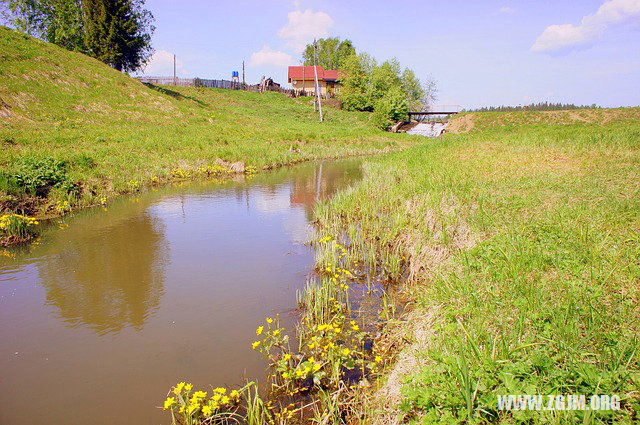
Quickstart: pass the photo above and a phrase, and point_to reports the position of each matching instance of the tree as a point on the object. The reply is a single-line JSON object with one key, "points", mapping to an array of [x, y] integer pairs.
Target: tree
{"points": [[413, 89], [382, 79], [118, 32], [429, 93], [354, 82], [331, 52], [56, 21], [391, 107]]}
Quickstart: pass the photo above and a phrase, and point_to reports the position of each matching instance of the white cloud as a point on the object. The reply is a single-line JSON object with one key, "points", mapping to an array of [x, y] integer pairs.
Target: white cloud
{"points": [[565, 36], [161, 64], [303, 27], [505, 10], [269, 57]]}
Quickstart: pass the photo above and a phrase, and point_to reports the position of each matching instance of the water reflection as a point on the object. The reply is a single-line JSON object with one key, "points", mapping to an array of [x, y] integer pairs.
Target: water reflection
{"points": [[104, 315], [109, 276], [326, 180]]}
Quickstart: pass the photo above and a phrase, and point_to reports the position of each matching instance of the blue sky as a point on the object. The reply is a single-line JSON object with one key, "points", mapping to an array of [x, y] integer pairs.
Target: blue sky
{"points": [[478, 52]]}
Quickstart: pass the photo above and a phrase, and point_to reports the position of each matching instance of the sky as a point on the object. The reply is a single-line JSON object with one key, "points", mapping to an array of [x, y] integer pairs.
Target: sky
{"points": [[479, 53]]}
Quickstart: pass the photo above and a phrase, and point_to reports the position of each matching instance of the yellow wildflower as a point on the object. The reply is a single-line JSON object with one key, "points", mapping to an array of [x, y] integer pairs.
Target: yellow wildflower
{"points": [[234, 394], [346, 352], [287, 356], [269, 320], [170, 401], [378, 359], [178, 388], [220, 390], [207, 410], [225, 400], [259, 330], [192, 408], [255, 344]]}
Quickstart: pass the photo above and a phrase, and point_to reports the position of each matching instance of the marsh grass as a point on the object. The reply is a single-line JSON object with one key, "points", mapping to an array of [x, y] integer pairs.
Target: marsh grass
{"points": [[523, 243]]}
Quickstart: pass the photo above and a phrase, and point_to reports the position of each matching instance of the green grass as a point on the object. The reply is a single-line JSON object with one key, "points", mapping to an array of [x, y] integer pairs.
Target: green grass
{"points": [[107, 133], [522, 245]]}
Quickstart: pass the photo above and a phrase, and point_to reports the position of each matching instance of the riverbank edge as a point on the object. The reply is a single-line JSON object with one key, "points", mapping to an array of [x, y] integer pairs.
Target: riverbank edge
{"points": [[227, 170], [416, 331]]}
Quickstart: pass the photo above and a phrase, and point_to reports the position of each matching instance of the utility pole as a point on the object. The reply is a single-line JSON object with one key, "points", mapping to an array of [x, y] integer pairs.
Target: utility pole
{"points": [[175, 80], [315, 73], [243, 81]]}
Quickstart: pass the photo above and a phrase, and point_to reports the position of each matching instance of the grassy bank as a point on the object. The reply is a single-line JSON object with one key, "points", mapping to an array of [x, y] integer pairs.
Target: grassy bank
{"points": [[519, 247], [74, 132]]}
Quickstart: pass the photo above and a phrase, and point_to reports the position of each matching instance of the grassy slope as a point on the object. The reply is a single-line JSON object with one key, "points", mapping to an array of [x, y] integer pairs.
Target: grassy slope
{"points": [[110, 129], [522, 244]]}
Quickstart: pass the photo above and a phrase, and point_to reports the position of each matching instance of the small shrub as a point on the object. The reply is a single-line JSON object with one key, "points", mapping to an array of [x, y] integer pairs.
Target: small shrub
{"points": [[34, 176], [391, 108]]}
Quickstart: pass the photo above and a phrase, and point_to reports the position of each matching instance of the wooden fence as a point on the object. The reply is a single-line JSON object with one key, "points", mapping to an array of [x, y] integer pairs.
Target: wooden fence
{"points": [[218, 84]]}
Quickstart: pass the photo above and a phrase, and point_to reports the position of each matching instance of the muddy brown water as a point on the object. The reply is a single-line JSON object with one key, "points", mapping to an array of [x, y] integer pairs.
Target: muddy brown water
{"points": [[115, 305]]}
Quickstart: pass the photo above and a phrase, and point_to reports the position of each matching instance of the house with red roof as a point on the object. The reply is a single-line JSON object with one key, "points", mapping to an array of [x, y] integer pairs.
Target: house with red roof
{"points": [[302, 78]]}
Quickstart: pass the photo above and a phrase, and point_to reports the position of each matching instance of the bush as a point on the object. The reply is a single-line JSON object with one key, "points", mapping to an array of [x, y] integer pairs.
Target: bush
{"points": [[34, 176], [392, 107]]}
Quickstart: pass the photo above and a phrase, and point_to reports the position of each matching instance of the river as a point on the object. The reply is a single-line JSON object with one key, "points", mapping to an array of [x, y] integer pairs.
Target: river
{"points": [[115, 305]]}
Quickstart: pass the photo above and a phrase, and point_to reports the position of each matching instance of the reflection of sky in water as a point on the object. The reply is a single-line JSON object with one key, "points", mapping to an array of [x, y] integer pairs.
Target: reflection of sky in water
{"points": [[165, 286]]}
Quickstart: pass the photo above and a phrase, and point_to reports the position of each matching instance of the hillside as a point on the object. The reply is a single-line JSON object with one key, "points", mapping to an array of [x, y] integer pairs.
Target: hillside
{"points": [[475, 121], [86, 132]]}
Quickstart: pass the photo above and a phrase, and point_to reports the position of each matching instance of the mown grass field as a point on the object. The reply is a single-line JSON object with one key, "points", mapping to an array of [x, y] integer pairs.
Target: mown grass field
{"points": [[519, 249], [85, 132]]}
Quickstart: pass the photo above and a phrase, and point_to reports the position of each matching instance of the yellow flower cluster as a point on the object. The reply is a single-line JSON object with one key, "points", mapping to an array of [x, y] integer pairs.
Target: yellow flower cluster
{"points": [[134, 185], [8, 221], [62, 206], [196, 406]]}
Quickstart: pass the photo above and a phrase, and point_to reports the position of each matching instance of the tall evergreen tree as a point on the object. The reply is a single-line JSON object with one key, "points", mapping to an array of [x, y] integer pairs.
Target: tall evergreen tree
{"points": [[118, 32]]}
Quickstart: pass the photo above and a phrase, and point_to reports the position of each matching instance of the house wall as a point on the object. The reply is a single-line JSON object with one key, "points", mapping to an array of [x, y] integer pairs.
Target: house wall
{"points": [[309, 86]]}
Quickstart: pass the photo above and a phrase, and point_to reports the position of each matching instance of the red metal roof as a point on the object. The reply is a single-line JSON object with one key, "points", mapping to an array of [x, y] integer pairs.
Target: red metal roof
{"points": [[331, 74], [306, 72]]}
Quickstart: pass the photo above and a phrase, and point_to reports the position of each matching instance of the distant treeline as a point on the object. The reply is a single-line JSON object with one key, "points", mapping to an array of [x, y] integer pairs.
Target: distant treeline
{"points": [[542, 106]]}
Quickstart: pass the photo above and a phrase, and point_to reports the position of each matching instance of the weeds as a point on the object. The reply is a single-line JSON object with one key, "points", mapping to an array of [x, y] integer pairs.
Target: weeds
{"points": [[524, 240]]}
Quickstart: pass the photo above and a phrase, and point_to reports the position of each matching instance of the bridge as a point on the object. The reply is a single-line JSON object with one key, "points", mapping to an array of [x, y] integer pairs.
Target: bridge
{"points": [[439, 110]]}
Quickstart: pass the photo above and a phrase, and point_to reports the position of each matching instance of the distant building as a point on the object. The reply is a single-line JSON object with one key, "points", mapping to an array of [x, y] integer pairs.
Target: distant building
{"points": [[303, 78]]}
